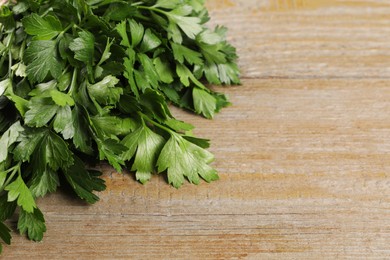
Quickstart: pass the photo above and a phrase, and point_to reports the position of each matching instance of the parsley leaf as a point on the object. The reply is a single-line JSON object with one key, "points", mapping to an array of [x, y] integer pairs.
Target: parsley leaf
{"points": [[41, 111], [191, 26], [181, 158], [18, 190], [63, 122], [163, 70], [44, 180], [53, 151], [8, 208], [150, 41], [144, 145], [61, 99], [111, 150], [5, 234], [33, 223], [41, 57], [84, 182], [44, 28], [8, 138], [105, 91], [182, 53], [204, 102], [84, 47]]}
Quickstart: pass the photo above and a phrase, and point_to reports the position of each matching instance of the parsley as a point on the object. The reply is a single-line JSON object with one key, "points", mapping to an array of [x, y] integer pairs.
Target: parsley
{"points": [[93, 79]]}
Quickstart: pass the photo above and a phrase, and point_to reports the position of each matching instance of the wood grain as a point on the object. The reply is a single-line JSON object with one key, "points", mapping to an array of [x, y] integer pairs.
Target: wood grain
{"points": [[303, 152]]}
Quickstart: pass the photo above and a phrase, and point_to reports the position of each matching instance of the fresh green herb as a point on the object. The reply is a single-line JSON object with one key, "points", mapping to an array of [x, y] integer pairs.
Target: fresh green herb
{"points": [[92, 80]]}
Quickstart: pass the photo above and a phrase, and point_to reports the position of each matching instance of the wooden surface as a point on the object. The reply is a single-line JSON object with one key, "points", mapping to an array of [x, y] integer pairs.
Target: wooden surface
{"points": [[303, 154]]}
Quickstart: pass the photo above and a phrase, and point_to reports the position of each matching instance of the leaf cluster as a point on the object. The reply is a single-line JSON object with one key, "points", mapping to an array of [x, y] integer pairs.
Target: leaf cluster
{"points": [[93, 80]]}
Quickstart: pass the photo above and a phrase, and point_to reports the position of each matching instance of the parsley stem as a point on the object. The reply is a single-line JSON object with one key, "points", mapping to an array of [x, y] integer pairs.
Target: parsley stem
{"points": [[10, 54], [22, 49], [46, 12], [143, 116], [2, 62], [67, 28], [74, 82], [9, 64], [151, 8]]}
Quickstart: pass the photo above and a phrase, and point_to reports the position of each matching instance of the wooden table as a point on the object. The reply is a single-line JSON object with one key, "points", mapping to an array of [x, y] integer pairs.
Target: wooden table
{"points": [[303, 153]]}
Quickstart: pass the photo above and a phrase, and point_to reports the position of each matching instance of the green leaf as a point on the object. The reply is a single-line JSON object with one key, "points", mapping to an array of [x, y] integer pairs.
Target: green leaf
{"points": [[5, 234], [180, 158], [64, 81], [44, 180], [44, 28], [111, 150], [61, 98], [82, 133], [145, 145], [229, 73], [119, 11], [7, 208], [106, 53], [129, 73], [33, 223], [43, 89], [7, 18], [41, 58], [213, 53], [84, 47], [204, 102], [191, 26], [150, 74], [4, 85], [46, 147], [105, 92], [174, 33], [110, 126], [17, 190], [185, 75], [137, 32], [150, 41], [53, 151], [63, 122], [28, 142], [84, 182], [182, 53], [212, 74], [163, 70], [19, 70], [154, 105], [8, 138], [41, 111], [121, 28]]}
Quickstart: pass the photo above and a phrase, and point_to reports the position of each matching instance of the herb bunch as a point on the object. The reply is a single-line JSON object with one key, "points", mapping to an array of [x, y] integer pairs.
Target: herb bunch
{"points": [[92, 79]]}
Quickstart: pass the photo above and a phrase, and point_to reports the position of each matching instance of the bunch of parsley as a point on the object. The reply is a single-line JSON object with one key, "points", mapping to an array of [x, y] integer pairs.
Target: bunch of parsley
{"points": [[92, 79]]}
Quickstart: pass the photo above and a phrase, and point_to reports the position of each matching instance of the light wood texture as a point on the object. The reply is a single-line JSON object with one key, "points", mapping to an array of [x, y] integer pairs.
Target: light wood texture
{"points": [[303, 153]]}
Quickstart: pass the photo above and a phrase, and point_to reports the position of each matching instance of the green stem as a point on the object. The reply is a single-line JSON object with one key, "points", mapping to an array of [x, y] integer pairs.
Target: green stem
{"points": [[66, 29], [22, 49], [73, 83], [151, 8], [46, 12], [10, 54], [10, 64], [143, 116]]}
